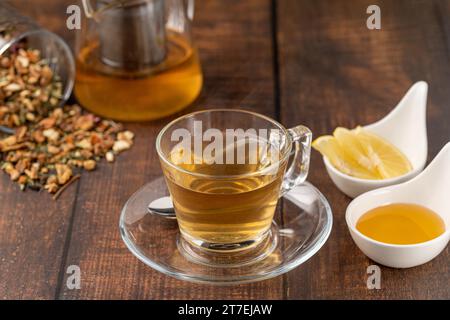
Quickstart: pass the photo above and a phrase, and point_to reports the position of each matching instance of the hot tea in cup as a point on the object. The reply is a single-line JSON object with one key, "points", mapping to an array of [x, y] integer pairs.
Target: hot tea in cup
{"points": [[225, 171]]}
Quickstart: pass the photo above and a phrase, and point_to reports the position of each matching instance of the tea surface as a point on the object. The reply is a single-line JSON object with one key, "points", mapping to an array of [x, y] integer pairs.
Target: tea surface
{"points": [[226, 205]]}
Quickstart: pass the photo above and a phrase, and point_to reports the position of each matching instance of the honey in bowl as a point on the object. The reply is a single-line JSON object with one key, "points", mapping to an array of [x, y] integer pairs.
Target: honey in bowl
{"points": [[401, 223]]}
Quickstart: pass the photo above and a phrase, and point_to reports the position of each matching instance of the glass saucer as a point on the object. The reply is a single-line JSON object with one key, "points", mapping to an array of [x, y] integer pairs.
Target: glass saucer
{"points": [[301, 226]]}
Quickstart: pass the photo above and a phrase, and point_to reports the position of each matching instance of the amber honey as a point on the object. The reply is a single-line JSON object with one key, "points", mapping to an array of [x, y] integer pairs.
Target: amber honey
{"points": [[138, 96], [401, 223]]}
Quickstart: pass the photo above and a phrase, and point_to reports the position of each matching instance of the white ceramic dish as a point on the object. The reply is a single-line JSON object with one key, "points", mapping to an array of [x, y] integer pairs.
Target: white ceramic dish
{"points": [[429, 189], [405, 127]]}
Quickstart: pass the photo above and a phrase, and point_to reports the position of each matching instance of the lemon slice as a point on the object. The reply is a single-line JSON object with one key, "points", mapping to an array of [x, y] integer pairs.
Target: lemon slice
{"points": [[340, 159], [391, 162], [350, 143], [362, 154]]}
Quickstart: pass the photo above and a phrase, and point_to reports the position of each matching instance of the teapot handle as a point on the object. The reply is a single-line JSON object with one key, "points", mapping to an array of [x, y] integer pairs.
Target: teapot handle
{"points": [[190, 9], [88, 10]]}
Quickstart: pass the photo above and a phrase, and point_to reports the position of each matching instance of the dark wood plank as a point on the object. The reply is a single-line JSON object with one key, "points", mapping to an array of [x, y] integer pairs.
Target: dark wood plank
{"points": [[33, 227], [335, 72], [234, 38], [33, 231], [50, 14]]}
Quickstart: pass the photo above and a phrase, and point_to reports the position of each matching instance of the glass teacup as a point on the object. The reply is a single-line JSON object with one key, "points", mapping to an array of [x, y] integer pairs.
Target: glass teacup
{"points": [[225, 170]]}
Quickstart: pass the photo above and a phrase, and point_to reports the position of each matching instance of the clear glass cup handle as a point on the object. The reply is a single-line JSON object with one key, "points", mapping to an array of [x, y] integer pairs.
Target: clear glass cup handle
{"points": [[298, 171]]}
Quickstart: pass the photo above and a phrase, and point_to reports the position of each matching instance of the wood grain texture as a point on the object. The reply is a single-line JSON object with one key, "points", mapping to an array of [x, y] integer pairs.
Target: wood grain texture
{"points": [[330, 71], [33, 231], [335, 72], [33, 227]]}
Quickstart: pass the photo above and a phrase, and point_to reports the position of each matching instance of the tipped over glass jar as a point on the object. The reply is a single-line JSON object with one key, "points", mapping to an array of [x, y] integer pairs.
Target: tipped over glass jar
{"points": [[18, 31]]}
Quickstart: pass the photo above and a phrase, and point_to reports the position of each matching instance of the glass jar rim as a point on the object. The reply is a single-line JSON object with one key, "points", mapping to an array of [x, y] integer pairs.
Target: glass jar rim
{"points": [[270, 168], [71, 79]]}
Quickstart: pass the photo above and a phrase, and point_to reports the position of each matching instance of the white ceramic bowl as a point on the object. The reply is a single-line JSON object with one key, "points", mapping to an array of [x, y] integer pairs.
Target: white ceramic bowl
{"points": [[429, 189], [405, 127]]}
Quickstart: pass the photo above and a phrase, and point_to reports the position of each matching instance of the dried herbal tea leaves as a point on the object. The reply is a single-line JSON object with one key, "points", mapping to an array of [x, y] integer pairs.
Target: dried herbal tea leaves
{"points": [[49, 144], [28, 88]]}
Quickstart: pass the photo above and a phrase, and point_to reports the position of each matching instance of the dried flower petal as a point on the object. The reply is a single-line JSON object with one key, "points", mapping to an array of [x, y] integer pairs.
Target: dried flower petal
{"points": [[121, 145], [89, 165], [64, 173], [109, 156], [51, 134]]}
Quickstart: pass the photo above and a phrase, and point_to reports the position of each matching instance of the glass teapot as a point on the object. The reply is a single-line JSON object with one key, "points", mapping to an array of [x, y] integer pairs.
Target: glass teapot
{"points": [[135, 58]]}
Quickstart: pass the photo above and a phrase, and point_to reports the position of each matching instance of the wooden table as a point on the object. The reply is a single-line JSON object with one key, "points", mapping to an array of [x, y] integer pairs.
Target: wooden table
{"points": [[302, 61]]}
